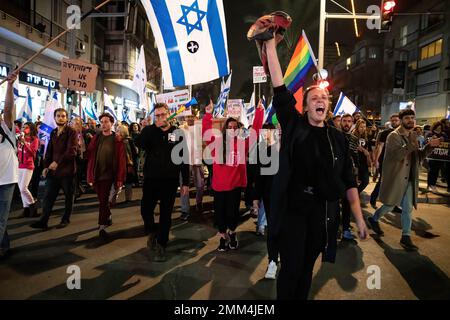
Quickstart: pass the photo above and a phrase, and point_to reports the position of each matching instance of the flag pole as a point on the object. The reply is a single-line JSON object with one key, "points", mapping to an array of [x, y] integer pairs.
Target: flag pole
{"points": [[55, 39], [312, 53]]}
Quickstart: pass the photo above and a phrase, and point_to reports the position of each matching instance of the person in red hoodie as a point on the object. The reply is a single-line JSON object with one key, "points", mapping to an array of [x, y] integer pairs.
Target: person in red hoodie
{"points": [[27, 146], [106, 166], [230, 172]]}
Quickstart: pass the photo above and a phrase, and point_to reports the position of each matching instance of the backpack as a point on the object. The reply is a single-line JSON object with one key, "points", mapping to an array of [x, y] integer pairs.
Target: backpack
{"points": [[5, 136]]}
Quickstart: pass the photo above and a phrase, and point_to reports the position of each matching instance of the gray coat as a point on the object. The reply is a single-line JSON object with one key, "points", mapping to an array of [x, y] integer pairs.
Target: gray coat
{"points": [[401, 153]]}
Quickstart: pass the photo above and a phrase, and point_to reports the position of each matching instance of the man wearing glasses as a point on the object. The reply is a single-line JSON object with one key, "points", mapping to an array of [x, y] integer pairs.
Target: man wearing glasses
{"points": [[161, 178]]}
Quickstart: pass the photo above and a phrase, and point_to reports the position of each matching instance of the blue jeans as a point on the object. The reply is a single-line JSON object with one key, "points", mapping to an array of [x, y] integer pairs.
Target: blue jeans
{"points": [[407, 207], [6, 195]]}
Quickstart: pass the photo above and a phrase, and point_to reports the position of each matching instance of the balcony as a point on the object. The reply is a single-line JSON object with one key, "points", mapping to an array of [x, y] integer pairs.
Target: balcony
{"points": [[42, 33]]}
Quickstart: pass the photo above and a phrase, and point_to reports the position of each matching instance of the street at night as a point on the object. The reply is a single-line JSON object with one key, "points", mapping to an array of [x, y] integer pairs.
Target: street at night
{"points": [[227, 158]]}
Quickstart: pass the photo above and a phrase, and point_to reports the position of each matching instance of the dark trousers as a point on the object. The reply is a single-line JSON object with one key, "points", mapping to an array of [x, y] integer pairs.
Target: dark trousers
{"points": [[80, 176], [34, 184], [302, 239], [345, 214], [363, 177], [249, 194], [54, 184], [273, 247], [165, 192], [433, 171], [103, 189], [376, 190], [226, 209]]}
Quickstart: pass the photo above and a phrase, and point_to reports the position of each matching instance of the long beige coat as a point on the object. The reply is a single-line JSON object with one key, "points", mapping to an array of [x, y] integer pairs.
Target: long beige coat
{"points": [[401, 153]]}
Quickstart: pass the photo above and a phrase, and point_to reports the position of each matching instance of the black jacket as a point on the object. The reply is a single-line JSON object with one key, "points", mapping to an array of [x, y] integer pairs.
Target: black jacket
{"points": [[295, 128], [158, 146]]}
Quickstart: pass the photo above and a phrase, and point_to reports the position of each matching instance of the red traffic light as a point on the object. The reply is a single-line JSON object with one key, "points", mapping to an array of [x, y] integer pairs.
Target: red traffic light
{"points": [[389, 6]]}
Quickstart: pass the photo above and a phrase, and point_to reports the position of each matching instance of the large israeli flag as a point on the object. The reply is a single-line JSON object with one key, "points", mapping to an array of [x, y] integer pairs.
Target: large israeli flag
{"points": [[192, 39], [344, 105]]}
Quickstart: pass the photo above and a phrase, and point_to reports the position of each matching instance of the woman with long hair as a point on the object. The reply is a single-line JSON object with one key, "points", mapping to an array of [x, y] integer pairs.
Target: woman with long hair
{"points": [[365, 161], [27, 147], [230, 172]]}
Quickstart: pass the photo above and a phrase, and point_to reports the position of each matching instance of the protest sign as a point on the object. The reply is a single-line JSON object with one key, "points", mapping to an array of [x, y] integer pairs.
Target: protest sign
{"points": [[78, 75]]}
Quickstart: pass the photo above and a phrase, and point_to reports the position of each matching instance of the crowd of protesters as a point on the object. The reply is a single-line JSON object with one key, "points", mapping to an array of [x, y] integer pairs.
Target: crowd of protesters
{"points": [[324, 165]]}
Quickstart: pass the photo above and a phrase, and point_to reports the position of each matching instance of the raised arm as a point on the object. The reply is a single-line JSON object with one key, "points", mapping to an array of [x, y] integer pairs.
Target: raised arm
{"points": [[283, 100], [9, 112]]}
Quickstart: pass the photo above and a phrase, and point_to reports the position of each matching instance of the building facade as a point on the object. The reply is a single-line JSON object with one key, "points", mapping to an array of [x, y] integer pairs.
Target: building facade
{"points": [[359, 76], [417, 62], [112, 42], [26, 26]]}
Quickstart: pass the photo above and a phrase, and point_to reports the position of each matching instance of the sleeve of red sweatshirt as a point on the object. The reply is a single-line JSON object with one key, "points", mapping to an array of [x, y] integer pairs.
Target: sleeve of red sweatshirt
{"points": [[207, 125], [32, 147]]}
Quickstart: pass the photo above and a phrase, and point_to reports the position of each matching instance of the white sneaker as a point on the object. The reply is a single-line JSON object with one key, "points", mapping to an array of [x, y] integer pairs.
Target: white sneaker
{"points": [[271, 272], [432, 188]]}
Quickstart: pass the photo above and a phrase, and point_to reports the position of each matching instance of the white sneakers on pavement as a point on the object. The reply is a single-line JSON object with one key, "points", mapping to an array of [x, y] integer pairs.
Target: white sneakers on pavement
{"points": [[271, 272]]}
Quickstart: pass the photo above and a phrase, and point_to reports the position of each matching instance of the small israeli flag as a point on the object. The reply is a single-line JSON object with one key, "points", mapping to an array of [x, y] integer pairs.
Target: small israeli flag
{"points": [[344, 105], [108, 105], [26, 112], [219, 108]]}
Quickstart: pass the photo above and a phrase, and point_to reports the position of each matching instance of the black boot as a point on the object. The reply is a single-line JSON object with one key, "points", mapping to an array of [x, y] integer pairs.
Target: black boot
{"points": [[407, 244], [25, 213], [33, 211]]}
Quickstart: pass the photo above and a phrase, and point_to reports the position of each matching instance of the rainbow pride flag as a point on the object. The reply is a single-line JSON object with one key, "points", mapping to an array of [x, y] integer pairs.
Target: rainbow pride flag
{"points": [[302, 60]]}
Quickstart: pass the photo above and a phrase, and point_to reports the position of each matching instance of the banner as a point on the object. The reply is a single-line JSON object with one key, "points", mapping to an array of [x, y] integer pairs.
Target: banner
{"points": [[175, 100], [234, 108], [441, 153], [78, 75], [259, 75]]}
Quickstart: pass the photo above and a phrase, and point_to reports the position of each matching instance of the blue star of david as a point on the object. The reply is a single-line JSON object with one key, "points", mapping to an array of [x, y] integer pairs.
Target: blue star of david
{"points": [[184, 19]]}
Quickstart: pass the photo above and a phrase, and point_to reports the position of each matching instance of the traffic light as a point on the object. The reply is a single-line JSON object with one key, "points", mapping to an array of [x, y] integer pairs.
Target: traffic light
{"points": [[70, 94], [387, 12]]}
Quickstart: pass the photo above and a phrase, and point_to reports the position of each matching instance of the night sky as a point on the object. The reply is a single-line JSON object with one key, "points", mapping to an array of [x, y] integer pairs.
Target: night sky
{"points": [[240, 14]]}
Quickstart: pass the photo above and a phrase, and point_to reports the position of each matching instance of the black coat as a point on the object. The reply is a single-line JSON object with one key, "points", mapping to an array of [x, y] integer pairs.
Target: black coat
{"points": [[158, 146], [295, 129]]}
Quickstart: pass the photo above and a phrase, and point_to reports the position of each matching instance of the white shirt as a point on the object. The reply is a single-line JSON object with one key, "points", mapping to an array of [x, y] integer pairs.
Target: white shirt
{"points": [[9, 164], [194, 140]]}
